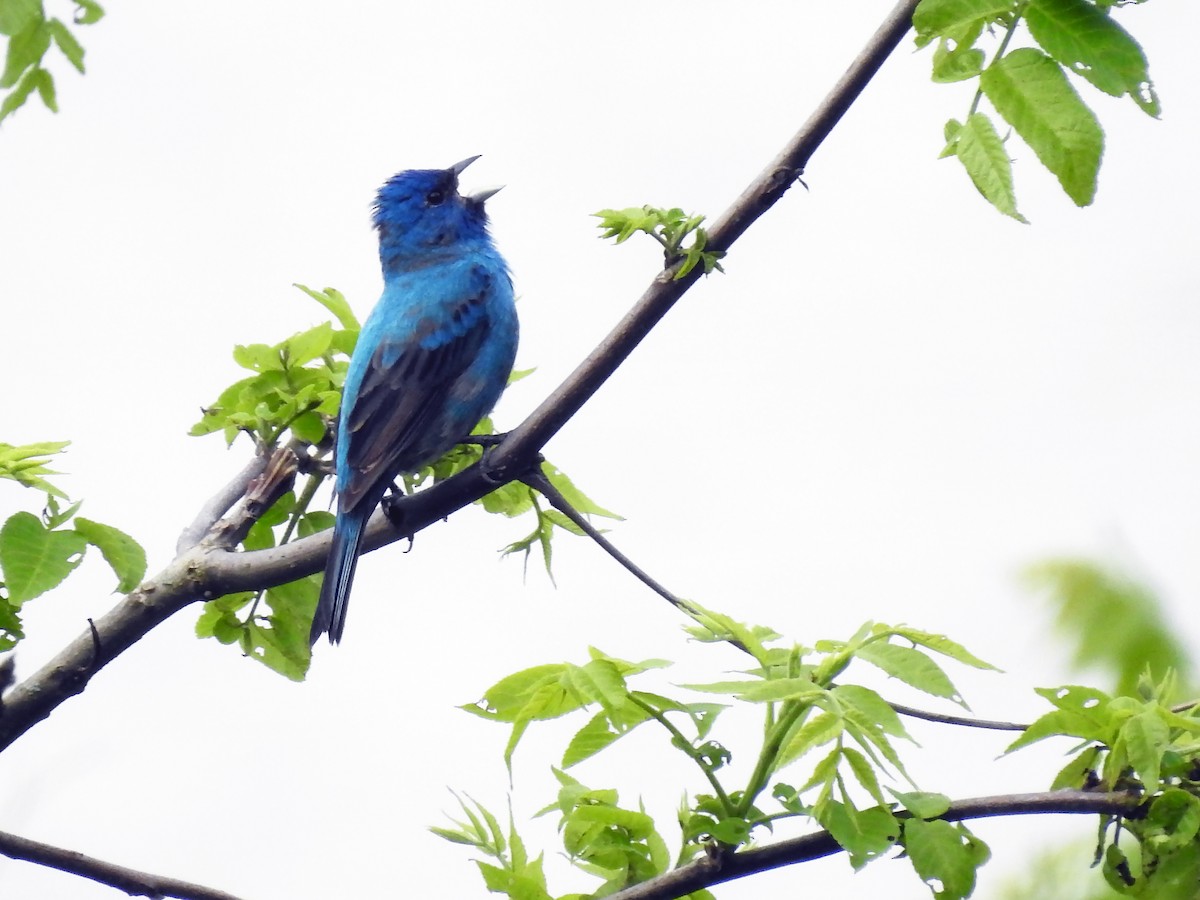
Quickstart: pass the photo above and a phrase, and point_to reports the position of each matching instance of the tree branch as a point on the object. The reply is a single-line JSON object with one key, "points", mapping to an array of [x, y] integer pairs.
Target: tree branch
{"points": [[207, 571], [131, 881], [718, 868], [220, 504], [944, 719]]}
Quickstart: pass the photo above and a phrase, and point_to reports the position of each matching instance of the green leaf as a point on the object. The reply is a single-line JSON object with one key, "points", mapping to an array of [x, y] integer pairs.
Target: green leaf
{"points": [[1033, 95], [1172, 822], [34, 559], [871, 707], [1082, 712], [1113, 621], [600, 732], [979, 148], [574, 496], [309, 427], [912, 667], [18, 95], [26, 463], [599, 681], [123, 554], [939, 643], [864, 834], [946, 855], [1079, 772], [89, 12], [1090, 43], [307, 345], [17, 15], [257, 357], [44, 82], [1145, 737], [952, 62], [758, 691], [820, 729], [25, 51], [70, 47], [933, 18], [921, 804], [864, 774], [337, 304]]}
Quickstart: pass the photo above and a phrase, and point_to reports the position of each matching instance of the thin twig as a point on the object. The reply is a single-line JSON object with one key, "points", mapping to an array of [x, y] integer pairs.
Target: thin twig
{"points": [[719, 868], [944, 719], [536, 479], [131, 881]]}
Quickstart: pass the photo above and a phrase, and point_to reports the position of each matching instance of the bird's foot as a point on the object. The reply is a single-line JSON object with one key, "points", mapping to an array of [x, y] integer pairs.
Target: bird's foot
{"points": [[393, 508]]}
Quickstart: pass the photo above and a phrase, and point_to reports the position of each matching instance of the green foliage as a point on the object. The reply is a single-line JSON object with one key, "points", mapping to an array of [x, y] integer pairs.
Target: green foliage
{"points": [[670, 227], [845, 734], [295, 390], [30, 35], [1029, 87], [1115, 623], [1141, 745], [37, 553], [296, 383], [27, 464]]}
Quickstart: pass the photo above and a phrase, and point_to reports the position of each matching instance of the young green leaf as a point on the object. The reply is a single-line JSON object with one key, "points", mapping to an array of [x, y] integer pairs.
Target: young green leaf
{"points": [[945, 856], [911, 666], [120, 551], [984, 156], [922, 804], [864, 834], [35, 559], [1090, 43], [1033, 95], [933, 18]]}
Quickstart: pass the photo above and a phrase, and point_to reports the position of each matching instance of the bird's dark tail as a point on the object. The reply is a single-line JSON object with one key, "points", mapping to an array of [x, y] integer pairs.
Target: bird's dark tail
{"points": [[339, 575]]}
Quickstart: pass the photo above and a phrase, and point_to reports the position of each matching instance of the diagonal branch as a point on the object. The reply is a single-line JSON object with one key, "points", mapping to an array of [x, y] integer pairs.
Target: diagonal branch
{"points": [[718, 868], [207, 571], [131, 881]]}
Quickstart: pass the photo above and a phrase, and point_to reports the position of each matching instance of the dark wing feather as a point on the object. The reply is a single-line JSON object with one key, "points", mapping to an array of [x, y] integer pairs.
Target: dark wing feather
{"points": [[405, 388]]}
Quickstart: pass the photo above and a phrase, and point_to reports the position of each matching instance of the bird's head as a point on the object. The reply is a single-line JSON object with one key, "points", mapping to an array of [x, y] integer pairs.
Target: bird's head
{"points": [[420, 211]]}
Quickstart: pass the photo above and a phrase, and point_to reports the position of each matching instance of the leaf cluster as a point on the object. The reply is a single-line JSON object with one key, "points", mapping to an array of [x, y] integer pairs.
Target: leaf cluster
{"points": [[296, 385], [671, 228], [1031, 88], [844, 733], [1137, 744], [38, 552], [30, 35]]}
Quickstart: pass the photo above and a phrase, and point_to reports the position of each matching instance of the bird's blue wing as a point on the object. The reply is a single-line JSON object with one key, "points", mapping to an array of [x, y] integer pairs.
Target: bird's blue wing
{"points": [[405, 388]]}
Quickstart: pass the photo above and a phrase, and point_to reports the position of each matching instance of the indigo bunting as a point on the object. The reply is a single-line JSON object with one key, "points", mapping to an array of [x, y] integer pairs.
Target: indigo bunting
{"points": [[431, 360]]}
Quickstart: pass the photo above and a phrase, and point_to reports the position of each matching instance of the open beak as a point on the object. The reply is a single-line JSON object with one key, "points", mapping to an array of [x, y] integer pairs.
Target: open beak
{"points": [[486, 193], [458, 167]]}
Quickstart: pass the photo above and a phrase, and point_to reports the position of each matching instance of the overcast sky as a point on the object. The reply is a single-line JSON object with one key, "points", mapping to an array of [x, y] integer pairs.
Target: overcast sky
{"points": [[893, 401]]}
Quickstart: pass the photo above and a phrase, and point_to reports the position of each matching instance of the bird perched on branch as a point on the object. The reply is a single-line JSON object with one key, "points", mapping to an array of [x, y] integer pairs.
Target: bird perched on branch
{"points": [[431, 360]]}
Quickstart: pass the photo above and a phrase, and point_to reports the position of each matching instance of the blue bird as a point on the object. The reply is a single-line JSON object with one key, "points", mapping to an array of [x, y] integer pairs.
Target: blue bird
{"points": [[431, 360]]}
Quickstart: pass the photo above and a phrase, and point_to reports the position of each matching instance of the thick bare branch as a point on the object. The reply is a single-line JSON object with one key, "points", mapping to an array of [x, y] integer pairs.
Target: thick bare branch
{"points": [[131, 881], [207, 570], [717, 868]]}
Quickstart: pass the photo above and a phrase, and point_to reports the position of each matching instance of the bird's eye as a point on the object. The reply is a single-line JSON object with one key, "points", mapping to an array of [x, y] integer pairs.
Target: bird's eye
{"points": [[433, 198]]}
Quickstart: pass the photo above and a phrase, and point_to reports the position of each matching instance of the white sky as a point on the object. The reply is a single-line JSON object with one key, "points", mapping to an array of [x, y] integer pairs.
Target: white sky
{"points": [[894, 400]]}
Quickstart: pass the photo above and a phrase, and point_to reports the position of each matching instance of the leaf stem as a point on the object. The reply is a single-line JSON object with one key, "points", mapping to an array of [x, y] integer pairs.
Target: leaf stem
{"points": [[692, 753]]}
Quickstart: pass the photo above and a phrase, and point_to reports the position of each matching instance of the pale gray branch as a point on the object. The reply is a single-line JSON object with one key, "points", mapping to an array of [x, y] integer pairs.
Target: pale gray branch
{"points": [[219, 504]]}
